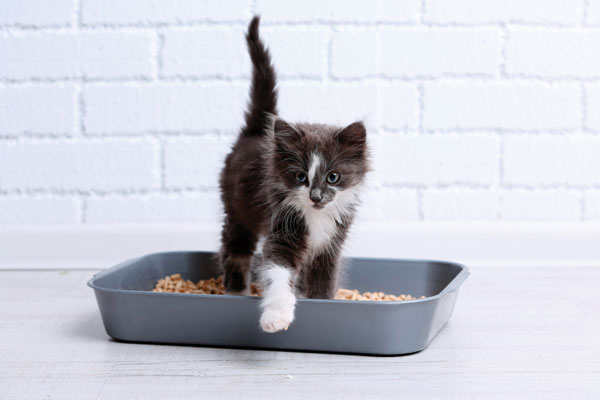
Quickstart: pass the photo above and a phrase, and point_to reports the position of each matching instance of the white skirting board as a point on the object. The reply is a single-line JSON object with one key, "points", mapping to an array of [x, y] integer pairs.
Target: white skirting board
{"points": [[473, 243]]}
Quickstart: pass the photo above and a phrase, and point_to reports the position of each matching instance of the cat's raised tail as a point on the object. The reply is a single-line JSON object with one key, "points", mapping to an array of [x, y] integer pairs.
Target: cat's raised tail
{"points": [[263, 94]]}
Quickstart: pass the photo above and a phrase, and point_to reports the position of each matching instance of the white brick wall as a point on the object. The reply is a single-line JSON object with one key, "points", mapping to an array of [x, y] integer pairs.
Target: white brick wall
{"points": [[204, 52], [195, 163], [540, 204], [592, 121], [502, 105], [593, 12], [460, 204], [550, 53], [547, 160], [122, 111], [168, 207], [504, 11], [135, 108], [439, 159], [38, 109], [86, 165], [39, 209], [157, 13], [102, 55], [36, 13], [592, 205]]}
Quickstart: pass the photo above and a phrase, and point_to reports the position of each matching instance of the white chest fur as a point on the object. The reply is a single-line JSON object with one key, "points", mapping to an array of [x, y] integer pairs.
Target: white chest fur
{"points": [[322, 223], [322, 227]]}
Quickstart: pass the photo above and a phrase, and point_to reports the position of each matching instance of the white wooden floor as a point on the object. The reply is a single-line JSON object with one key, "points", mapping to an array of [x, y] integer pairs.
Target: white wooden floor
{"points": [[516, 333]]}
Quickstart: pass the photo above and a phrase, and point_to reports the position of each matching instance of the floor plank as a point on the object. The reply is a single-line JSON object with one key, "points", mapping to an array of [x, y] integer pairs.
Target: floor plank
{"points": [[515, 333]]}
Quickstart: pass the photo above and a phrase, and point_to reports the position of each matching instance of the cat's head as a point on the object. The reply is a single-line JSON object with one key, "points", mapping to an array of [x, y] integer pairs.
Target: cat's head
{"points": [[321, 166]]}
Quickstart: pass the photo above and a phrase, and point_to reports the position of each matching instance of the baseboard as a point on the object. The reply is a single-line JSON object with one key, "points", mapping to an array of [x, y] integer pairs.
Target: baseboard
{"points": [[474, 243]]}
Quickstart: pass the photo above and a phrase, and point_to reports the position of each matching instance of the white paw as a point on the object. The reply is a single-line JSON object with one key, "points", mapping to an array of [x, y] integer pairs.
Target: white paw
{"points": [[245, 292], [275, 319]]}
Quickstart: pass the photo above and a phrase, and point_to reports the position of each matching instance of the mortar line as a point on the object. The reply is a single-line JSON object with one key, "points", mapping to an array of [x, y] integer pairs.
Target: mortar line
{"points": [[584, 17], [420, 210], [329, 59], [420, 108], [140, 25], [583, 105], [501, 166], [81, 110], [78, 15], [503, 47], [79, 85], [158, 65], [83, 208], [582, 205], [421, 13], [162, 161]]}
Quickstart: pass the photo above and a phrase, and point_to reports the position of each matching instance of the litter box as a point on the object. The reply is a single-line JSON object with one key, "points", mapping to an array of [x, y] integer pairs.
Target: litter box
{"points": [[132, 313]]}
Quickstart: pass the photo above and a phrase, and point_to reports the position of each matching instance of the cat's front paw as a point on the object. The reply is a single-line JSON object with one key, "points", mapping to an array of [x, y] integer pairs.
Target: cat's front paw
{"points": [[276, 319]]}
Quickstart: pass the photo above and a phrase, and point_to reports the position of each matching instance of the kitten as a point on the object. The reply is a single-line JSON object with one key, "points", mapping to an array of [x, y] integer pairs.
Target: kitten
{"points": [[295, 184]]}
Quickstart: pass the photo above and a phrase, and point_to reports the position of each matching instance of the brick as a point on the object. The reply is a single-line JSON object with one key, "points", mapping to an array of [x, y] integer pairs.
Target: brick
{"points": [[370, 208], [195, 163], [592, 94], [338, 103], [117, 12], [339, 10], [490, 11], [430, 159], [398, 204], [399, 106], [188, 207], [414, 52], [549, 160], [79, 165], [459, 204], [36, 13], [67, 55], [298, 51], [539, 205], [553, 53], [385, 204], [593, 12], [509, 106], [377, 150], [164, 107], [38, 210], [591, 201], [38, 110], [205, 52], [355, 53]]}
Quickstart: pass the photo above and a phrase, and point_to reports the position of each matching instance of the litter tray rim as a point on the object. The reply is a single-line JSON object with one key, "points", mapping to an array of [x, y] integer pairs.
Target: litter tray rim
{"points": [[452, 286]]}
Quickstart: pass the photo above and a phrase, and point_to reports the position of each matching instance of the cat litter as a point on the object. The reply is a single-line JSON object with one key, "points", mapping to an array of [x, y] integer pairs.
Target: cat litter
{"points": [[132, 312], [176, 284]]}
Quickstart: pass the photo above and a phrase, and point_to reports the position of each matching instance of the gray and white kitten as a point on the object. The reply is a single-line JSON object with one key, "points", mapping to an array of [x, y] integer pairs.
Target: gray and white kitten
{"points": [[297, 186]]}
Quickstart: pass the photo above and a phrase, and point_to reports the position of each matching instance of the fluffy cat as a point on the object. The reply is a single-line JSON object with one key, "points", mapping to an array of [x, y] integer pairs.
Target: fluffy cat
{"points": [[297, 185]]}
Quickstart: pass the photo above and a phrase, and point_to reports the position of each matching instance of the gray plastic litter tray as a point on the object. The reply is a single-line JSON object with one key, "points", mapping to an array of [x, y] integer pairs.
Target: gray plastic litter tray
{"points": [[131, 312]]}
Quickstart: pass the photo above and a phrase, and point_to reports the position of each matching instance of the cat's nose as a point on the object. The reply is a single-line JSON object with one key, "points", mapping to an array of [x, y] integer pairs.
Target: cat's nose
{"points": [[316, 196]]}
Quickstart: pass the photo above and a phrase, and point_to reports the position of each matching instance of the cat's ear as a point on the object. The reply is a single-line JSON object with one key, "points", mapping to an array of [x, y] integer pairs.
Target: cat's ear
{"points": [[354, 135], [285, 132]]}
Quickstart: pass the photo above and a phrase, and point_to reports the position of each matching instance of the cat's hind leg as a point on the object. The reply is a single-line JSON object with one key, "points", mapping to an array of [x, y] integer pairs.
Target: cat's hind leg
{"points": [[238, 245]]}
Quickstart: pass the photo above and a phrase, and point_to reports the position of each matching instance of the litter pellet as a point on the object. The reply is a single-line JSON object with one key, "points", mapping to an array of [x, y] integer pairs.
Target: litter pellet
{"points": [[176, 284]]}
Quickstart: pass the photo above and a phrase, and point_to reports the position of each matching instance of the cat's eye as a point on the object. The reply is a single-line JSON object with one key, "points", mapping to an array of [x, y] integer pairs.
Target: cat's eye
{"points": [[333, 177], [301, 177]]}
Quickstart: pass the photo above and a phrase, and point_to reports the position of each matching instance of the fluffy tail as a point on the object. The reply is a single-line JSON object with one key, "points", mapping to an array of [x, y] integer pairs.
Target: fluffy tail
{"points": [[263, 95]]}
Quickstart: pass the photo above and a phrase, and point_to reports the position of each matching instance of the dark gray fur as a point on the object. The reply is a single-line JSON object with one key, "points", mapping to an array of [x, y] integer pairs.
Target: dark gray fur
{"points": [[259, 179]]}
